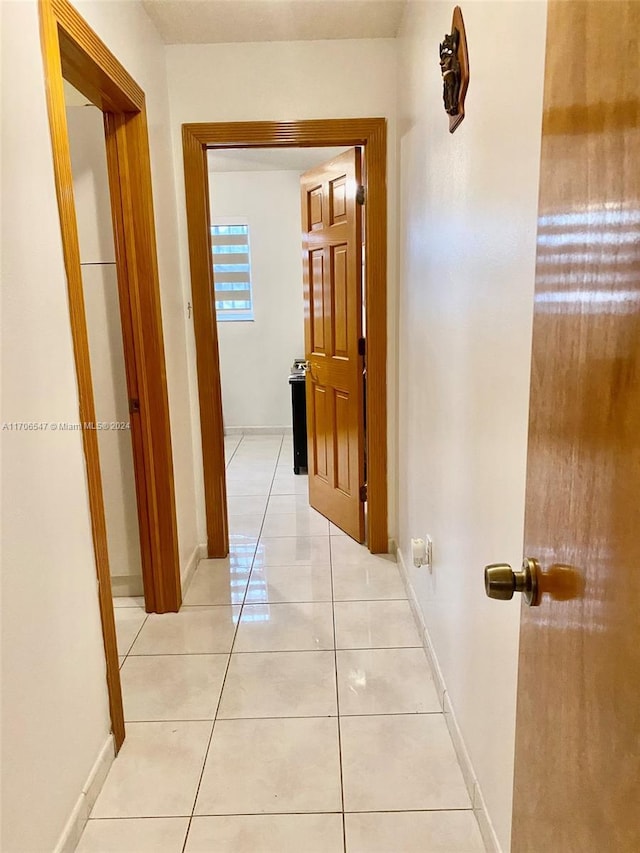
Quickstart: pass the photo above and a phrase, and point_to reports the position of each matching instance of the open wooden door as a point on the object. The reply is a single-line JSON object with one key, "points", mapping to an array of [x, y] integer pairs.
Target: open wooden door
{"points": [[577, 761], [332, 261]]}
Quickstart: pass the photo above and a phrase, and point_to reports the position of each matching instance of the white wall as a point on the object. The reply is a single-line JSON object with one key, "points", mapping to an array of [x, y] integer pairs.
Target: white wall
{"points": [[255, 357], [284, 81], [55, 712], [102, 307], [468, 227], [54, 706]]}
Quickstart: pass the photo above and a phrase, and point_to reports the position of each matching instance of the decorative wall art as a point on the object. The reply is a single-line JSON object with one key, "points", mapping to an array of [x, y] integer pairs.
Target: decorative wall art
{"points": [[454, 64]]}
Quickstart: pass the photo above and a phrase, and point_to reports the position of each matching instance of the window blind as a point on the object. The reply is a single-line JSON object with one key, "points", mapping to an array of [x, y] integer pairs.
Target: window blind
{"points": [[232, 272]]}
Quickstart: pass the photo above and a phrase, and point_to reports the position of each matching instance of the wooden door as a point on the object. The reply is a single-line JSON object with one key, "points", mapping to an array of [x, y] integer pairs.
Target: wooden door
{"points": [[332, 261], [577, 763]]}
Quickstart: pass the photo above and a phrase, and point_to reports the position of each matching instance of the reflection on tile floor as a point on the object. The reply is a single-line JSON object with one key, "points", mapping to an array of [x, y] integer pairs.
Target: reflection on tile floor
{"points": [[289, 705]]}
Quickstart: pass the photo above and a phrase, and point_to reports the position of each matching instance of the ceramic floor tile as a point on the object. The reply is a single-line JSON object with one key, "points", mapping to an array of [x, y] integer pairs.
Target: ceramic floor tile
{"points": [[286, 466], [413, 832], [241, 543], [285, 627], [289, 584], [375, 624], [172, 687], [246, 525], [129, 601], [295, 551], [262, 450], [260, 458], [294, 484], [347, 552], [305, 523], [241, 555], [213, 583], [285, 471], [241, 488], [356, 583], [270, 451], [280, 684], [300, 833], [385, 681], [250, 472], [156, 772], [288, 503], [286, 462], [142, 835], [275, 752], [194, 630], [255, 505], [253, 485], [252, 465], [265, 438], [242, 550], [267, 766], [129, 620], [400, 763]]}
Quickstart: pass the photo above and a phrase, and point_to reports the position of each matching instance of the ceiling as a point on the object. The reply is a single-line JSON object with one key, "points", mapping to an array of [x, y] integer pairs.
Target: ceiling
{"points": [[269, 159], [218, 21]]}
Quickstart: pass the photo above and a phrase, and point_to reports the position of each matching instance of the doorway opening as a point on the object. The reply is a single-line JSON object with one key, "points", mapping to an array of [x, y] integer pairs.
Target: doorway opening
{"points": [[368, 135], [104, 324], [72, 52], [271, 330]]}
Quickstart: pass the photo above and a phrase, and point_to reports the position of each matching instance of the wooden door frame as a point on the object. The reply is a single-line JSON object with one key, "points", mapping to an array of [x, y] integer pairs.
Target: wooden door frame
{"points": [[72, 51], [371, 133]]}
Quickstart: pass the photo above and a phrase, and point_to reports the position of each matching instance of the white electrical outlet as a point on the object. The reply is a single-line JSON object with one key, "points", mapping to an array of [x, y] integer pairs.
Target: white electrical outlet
{"points": [[421, 552], [418, 552]]}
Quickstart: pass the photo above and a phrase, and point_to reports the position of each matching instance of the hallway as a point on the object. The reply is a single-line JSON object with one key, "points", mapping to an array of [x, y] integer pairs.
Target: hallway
{"points": [[289, 705]]}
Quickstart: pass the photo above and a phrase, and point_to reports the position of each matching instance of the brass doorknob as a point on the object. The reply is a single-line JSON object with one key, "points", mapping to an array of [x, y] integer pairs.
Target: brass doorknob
{"points": [[500, 581]]}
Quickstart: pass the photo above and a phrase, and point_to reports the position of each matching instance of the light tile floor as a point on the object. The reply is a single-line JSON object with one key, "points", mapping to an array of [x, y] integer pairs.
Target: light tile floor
{"points": [[289, 707]]}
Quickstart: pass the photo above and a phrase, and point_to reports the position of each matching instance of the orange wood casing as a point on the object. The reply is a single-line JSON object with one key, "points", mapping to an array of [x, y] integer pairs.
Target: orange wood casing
{"points": [[370, 133]]}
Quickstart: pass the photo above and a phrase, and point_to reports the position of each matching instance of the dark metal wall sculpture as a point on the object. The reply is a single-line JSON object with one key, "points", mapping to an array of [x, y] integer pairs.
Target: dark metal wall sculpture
{"points": [[454, 64]]}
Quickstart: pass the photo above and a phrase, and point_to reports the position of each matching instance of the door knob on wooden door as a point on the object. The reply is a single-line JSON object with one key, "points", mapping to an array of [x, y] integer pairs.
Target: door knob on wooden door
{"points": [[500, 581]]}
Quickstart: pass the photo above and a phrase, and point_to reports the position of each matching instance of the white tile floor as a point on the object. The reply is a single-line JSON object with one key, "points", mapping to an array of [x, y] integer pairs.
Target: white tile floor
{"points": [[288, 708]]}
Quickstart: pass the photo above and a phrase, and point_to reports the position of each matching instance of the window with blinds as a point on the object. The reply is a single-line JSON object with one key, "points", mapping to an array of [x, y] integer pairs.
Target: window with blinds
{"points": [[232, 272]]}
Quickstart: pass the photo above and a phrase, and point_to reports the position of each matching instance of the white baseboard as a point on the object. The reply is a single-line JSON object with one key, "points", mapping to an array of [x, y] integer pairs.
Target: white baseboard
{"points": [[487, 830], [186, 575], [74, 827], [259, 430], [418, 615]]}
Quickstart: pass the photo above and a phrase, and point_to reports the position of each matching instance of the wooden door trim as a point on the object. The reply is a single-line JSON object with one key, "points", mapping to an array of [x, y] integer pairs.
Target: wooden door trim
{"points": [[196, 139], [72, 50]]}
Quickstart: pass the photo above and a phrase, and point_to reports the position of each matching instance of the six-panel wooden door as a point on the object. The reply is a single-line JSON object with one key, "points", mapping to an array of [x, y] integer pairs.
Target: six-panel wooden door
{"points": [[332, 262]]}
